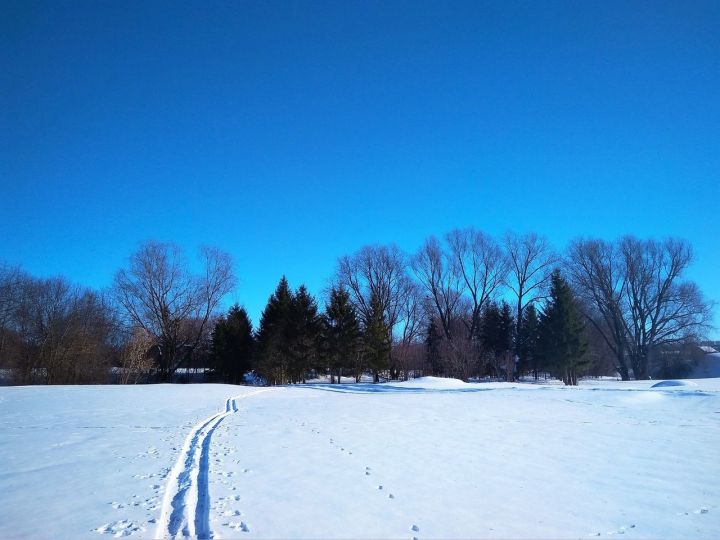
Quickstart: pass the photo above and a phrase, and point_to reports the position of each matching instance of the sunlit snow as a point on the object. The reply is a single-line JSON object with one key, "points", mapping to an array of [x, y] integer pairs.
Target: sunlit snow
{"points": [[429, 458]]}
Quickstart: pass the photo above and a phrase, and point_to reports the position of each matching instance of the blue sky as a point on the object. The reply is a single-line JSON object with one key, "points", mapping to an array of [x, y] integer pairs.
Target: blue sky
{"points": [[290, 133]]}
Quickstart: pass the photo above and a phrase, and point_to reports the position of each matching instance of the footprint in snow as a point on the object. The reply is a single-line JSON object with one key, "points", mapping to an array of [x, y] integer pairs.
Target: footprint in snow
{"points": [[120, 528], [622, 529], [237, 525]]}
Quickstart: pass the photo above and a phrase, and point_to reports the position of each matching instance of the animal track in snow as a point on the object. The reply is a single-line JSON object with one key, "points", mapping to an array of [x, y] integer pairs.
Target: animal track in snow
{"points": [[237, 525], [621, 530], [123, 527]]}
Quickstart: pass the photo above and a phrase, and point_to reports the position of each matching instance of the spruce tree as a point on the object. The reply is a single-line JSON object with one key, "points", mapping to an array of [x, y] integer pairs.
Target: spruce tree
{"points": [[232, 346], [561, 345], [505, 349], [496, 332], [433, 359], [302, 335], [272, 347], [376, 339], [527, 342], [342, 333]]}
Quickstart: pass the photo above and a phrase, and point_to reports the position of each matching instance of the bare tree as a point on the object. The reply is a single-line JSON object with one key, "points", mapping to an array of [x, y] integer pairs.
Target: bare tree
{"points": [[461, 354], [64, 333], [160, 294], [639, 300], [532, 261], [409, 327], [438, 275], [137, 357], [445, 280], [376, 271], [12, 283], [479, 260], [661, 308], [381, 272], [596, 271]]}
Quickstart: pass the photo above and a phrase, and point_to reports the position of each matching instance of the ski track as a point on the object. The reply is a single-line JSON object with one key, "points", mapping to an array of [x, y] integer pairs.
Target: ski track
{"points": [[185, 508]]}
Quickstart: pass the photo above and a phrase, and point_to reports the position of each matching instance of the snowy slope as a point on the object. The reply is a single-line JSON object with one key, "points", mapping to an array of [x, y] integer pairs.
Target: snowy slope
{"points": [[426, 459]]}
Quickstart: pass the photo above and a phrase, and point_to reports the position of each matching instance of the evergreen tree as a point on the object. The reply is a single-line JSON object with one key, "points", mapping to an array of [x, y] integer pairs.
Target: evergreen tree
{"points": [[272, 348], [376, 339], [527, 342], [342, 333], [561, 346], [433, 359], [302, 335], [496, 332], [232, 346]]}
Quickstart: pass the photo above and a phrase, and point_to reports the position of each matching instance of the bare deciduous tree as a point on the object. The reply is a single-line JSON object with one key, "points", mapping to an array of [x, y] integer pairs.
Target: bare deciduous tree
{"points": [[436, 272], [376, 271], [12, 282], [381, 273], [409, 327], [595, 269], [137, 358], [160, 294], [531, 260], [661, 308], [479, 260], [64, 333], [638, 297], [455, 288]]}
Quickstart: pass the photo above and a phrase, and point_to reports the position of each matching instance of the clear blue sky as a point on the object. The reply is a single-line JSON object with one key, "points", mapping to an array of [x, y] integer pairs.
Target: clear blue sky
{"points": [[290, 133]]}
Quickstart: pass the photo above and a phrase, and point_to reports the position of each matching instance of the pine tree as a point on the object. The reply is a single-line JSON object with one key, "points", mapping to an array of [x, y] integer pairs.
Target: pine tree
{"points": [[232, 346], [272, 347], [302, 335], [342, 334], [376, 339], [561, 345]]}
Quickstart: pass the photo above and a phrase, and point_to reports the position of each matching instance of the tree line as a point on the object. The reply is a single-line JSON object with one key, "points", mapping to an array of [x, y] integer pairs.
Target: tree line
{"points": [[465, 305]]}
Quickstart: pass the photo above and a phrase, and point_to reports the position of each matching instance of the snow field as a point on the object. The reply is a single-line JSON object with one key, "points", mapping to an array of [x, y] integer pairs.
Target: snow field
{"points": [[422, 459]]}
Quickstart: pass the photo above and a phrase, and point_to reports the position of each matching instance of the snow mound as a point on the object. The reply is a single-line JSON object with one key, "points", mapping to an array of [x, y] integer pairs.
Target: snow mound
{"points": [[434, 382], [665, 384]]}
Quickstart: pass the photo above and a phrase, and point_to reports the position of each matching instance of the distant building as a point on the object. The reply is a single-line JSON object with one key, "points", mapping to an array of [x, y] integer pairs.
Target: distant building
{"points": [[686, 361]]}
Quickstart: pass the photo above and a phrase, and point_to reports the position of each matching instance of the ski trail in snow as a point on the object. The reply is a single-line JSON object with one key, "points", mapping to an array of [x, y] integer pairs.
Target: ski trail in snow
{"points": [[185, 508]]}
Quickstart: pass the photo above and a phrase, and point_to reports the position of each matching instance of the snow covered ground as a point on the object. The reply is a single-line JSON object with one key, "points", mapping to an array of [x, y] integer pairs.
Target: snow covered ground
{"points": [[423, 459]]}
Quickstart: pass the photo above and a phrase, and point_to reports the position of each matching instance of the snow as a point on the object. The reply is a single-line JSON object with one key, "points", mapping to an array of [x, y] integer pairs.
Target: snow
{"points": [[664, 384], [433, 382], [428, 458]]}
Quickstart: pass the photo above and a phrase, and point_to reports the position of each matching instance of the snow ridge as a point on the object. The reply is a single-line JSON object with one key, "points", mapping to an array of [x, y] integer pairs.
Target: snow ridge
{"points": [[186, 502]]}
